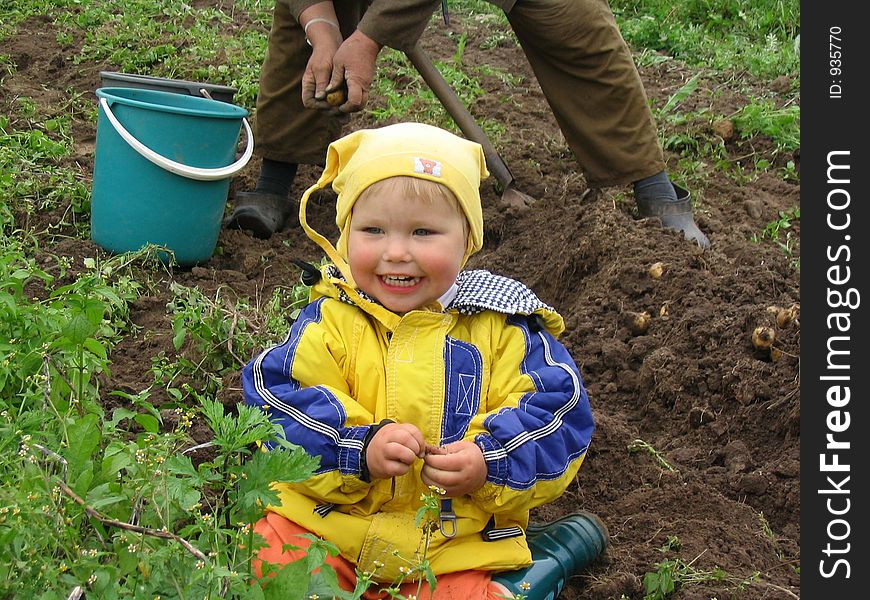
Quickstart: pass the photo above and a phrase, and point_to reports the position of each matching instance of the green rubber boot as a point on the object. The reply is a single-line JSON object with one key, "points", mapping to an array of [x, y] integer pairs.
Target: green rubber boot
{"points": [[559, 550]]}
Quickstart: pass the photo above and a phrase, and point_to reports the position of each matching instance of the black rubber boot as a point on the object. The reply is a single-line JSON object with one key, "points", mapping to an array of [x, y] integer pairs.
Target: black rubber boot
{"points": [[260, 213], [265, 210], [674, 211], [559, 550]]}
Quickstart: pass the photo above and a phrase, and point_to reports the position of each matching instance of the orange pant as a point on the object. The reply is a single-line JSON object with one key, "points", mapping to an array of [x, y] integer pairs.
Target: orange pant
{"points": [[462, 585]]}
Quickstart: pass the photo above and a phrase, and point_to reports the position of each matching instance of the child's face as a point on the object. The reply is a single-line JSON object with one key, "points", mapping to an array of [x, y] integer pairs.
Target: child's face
{"points": [[405, 251]]}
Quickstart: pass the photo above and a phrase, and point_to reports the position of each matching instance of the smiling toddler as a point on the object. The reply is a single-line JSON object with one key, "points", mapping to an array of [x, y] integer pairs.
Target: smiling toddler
{"points": [[407, 373]]}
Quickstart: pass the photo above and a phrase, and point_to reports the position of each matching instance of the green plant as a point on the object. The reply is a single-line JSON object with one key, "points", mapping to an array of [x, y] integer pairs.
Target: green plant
{"points": [[214, 336], [170, 39], [780, 124], [125, 493], [790, 172], [30, 148], [686, 90], [773, 230], [215, 329], [58, 344], [507, 79], [138, 518], [64, 38], [765, 527], [646, 447], [672, 574], [403, 95], [672, 543], [717, 34]]}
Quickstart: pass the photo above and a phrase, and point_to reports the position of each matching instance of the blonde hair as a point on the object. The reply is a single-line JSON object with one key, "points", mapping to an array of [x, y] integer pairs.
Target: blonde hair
{"points": [[425, 189]]}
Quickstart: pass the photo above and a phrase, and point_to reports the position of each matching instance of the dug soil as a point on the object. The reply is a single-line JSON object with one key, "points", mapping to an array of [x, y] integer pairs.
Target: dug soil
{"points": [[695, 459]]}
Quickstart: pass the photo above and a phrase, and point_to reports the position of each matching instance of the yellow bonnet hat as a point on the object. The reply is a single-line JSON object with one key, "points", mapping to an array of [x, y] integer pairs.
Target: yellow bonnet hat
{"points": [[366, 156]]}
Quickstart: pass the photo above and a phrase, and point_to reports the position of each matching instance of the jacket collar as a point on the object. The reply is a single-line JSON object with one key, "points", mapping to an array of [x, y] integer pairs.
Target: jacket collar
{"points": [[474, 291]]}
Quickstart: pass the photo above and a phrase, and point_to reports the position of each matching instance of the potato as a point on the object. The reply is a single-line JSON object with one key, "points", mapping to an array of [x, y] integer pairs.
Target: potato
{"points": [[724, 128], [658, 269], [787, 316], [637, 323], [775, 354], [763, 337], [337, 97]]}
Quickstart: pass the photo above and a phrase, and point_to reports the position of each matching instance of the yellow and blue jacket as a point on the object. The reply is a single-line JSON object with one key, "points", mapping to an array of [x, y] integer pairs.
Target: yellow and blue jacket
{"points": [[487, 368]]}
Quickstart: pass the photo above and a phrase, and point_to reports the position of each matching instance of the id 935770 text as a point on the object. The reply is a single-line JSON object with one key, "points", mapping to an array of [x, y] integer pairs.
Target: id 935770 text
{"points": [[835, 62]]}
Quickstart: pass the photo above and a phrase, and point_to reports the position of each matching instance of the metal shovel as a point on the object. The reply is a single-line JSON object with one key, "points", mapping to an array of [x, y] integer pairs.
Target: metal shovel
{"points": [[469, 127]]}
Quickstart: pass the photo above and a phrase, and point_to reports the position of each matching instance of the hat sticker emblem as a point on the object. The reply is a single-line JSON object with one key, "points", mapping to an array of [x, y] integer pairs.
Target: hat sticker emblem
{"points": [[426, 166]]}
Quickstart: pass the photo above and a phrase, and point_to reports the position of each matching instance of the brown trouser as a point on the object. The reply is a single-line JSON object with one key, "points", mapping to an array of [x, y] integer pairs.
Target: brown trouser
{"points": [[575, 49]]}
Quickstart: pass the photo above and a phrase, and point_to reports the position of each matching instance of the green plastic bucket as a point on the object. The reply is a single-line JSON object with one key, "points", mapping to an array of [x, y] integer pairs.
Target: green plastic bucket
{"points": [[162, 170]]}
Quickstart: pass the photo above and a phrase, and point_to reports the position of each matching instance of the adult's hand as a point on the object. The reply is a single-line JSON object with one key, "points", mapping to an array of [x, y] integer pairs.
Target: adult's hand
{"points": [[354, 66], [348, 66], [459, 471], [393, 449], [325, 41]]}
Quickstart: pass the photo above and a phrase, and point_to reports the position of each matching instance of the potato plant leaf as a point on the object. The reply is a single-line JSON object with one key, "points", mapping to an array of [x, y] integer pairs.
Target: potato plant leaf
{"points": [[265, 468]]}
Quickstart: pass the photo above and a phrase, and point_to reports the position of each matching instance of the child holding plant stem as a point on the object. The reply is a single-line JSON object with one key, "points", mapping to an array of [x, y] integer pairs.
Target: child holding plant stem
{"points": [[407, 373]]}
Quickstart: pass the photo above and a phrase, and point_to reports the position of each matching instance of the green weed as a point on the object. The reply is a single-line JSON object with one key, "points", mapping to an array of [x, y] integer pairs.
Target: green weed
{"points": [[169, 39], [642, 446], [717, 34], [216, 330], [779, 232], [789, 171], [774, 228], [108, 503], [112, 495], [686, 90], [30, 148], [138, 518], [218, 335], [58, 341], [782, 125], [688, 134], [672, 574], [507, 79], [403, 95], [672, 543]]}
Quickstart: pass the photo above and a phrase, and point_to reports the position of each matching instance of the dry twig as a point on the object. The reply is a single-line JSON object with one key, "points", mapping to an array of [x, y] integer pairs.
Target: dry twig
{"points": [[167, 535]]}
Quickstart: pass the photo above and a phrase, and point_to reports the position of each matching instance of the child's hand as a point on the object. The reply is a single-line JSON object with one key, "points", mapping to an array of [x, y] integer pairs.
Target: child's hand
{"points": [[393, 450], [461, 470]]}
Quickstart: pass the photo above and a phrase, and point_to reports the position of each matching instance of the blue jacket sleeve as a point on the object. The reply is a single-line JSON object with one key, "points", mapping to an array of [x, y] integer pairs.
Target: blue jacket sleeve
{"points": [[538, 423], [301, 385]]}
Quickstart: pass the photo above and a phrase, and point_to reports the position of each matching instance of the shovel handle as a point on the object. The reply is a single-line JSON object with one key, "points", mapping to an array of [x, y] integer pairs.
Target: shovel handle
{"points": [[457, 110]]}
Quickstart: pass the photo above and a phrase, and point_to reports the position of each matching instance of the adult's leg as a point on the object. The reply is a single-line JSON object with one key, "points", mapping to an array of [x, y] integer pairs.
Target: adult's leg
{"points": [[286, 134], [590, 81], [589, 78], [285, 130]]}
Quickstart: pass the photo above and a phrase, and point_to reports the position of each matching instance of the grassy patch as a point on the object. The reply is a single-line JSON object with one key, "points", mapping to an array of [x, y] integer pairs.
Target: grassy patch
{"points": [[719, 34], [779, 231], [31, 179]]}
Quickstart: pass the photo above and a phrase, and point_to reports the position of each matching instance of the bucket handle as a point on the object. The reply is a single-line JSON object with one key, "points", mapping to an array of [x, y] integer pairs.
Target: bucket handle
{"points": [[178, 168]]}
